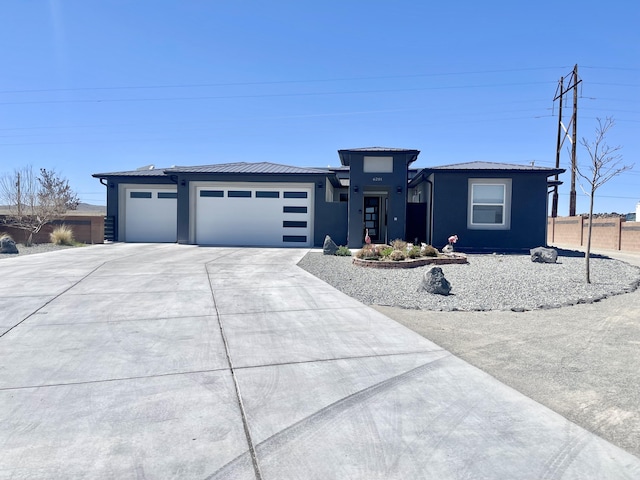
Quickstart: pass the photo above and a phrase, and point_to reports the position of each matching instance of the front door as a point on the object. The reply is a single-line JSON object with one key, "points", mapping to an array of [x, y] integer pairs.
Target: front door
{"points": [[372, 218]]}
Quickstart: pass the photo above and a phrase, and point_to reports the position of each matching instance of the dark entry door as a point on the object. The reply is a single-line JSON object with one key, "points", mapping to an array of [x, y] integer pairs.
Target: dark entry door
{"points": [[372, 218]]}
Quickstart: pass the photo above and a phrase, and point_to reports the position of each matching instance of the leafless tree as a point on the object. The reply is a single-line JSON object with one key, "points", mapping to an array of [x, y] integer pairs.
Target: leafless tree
{"points": [[33, 200], [604, 164]]}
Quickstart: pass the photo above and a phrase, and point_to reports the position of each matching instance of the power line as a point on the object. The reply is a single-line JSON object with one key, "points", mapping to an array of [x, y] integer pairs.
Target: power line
{"points": [[268, 95], [279, 82]]}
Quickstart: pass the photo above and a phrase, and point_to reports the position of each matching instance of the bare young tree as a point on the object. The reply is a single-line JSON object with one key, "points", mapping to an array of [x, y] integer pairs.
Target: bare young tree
{"points": [[604, 164], [34, 200]]}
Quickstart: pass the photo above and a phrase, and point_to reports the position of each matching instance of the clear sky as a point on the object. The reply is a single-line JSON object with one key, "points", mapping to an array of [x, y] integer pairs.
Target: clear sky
{"points": [[99, 86]]}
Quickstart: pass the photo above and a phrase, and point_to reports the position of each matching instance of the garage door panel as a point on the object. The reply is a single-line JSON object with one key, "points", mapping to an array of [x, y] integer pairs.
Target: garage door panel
{"points": [[150, 215], [259, 216]]}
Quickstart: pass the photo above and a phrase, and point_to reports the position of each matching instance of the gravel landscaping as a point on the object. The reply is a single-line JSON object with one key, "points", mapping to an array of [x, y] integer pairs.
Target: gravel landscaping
{"points": [[36, 248], [487, 282]]}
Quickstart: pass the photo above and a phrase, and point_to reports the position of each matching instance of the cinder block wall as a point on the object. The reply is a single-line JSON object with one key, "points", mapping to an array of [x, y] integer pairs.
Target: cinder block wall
{"points": [[607, 233], [630, 236], [86, 229]]}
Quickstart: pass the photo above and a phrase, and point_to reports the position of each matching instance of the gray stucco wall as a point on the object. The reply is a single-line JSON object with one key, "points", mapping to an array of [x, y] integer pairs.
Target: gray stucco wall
{"points": [[528, 212]]}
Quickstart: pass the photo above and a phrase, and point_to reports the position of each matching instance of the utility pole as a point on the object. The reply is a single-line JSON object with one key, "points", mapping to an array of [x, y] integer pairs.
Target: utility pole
{"points": [[554, 201], [574, 165], [573, 83]]}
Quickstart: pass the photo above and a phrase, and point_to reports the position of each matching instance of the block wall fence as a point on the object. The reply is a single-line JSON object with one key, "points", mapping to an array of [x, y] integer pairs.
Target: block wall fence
{"points": [[611, 233], [87, 229]]}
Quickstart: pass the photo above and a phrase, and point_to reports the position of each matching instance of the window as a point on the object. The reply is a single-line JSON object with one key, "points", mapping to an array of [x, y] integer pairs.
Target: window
{"points": [[378, 165], [239, 194], [267, 194], [140, 195], [294, 238], [294, 224], [295, 194], [294, 209], [489, 204], [167, 195], [211, 193]]}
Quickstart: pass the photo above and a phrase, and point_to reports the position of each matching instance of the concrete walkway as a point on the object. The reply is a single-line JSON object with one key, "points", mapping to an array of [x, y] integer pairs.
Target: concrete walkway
{"points": [[173, 361]]}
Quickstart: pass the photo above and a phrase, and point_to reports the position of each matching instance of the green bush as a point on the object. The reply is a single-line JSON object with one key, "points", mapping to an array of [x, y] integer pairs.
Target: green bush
{"points": [[414, 252], [397, 255], [368, 251], [386, 251], [62, 235], [429, 251], [343, 251], [398, 244]]}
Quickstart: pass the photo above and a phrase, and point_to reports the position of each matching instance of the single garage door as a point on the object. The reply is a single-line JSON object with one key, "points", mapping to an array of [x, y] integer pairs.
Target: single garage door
{"points": [[254, 215], [150, 215]]}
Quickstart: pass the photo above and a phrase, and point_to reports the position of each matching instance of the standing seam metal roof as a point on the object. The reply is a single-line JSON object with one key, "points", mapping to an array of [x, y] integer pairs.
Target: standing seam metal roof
{"points": [[224, 168], [491, 166], [245, 167]]}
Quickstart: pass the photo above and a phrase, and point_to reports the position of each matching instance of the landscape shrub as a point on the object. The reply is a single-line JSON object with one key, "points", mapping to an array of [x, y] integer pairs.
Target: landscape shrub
{"points": [[369, 251], [62, 235], [386, 251], [429, 251], [398, 244], [414, 252], [343, 251], [397, 255]]}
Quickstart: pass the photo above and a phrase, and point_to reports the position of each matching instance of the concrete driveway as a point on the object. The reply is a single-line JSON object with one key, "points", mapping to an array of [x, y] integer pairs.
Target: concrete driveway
{"points": [[174, 361]]}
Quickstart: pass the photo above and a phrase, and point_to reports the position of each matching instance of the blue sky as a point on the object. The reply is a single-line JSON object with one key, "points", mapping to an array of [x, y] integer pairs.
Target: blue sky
{"points": [[98, 86]]}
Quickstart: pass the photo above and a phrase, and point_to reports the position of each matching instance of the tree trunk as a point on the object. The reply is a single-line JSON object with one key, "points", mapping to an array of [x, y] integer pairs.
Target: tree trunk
{"points": [[587, 254]]}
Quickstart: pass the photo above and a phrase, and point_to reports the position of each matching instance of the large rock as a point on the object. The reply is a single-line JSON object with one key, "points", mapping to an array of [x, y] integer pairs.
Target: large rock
{"points": [[7, 245], [329, 247], [433, 281], [543, 255]]}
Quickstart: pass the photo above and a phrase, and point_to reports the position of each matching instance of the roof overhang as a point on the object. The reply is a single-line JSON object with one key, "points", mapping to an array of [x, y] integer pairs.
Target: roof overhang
{"points": [[345, 155]]}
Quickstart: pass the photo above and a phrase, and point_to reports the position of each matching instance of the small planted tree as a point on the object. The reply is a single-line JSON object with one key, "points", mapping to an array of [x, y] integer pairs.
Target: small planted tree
{"points": [[33, 200], [604, 164]]}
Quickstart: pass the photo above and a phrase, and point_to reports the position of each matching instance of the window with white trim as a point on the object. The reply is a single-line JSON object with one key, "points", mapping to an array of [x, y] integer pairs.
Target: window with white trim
{"points": [[489, 204]]}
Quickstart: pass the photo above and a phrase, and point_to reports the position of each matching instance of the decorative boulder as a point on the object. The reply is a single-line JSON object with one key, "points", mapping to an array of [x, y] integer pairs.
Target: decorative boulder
{"points": [[543, 255], [329, 247], [7, 245], [447, 249], [433, 281]]}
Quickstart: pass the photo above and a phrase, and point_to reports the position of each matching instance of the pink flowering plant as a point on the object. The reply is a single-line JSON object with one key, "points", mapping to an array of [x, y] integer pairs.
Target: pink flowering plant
{"points": [[453, 239]]}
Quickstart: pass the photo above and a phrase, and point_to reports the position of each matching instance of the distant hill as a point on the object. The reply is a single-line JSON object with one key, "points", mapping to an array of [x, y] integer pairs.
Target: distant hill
{"points": [[87, 207]]}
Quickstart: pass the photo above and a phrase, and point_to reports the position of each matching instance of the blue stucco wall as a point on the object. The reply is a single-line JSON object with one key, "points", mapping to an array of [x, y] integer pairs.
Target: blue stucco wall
{"points": [[379, 182], [330, 218], [113, 187], [528, 212]]}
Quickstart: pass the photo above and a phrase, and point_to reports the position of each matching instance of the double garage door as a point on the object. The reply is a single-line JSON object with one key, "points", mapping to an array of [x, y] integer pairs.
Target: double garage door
{"points": [[253, 215], [230, 214]]}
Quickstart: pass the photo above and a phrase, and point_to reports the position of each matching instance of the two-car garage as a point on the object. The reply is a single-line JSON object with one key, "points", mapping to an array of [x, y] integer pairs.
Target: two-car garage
{"points": [[231, 213], [251, 214]]}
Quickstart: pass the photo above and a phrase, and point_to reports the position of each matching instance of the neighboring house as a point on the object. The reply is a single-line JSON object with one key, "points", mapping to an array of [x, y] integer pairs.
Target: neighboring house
{"points": [[489, 206]]}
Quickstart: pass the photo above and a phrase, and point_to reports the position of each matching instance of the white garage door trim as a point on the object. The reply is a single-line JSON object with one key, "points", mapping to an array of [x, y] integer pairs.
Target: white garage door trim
{"points": [[251, 214], [148, 213]]}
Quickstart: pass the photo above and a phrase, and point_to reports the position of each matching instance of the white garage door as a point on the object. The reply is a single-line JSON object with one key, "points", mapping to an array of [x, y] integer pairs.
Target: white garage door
{"points": [[254, 215], [150, 215]]}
